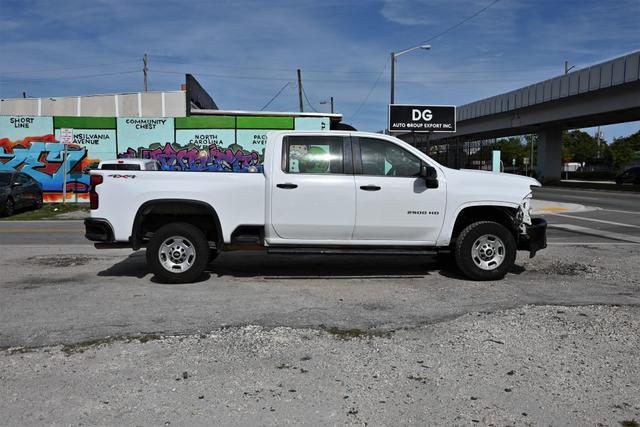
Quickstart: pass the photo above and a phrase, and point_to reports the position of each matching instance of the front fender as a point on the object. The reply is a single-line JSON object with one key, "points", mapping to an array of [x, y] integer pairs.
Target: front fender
{"points": [[444, 238]]}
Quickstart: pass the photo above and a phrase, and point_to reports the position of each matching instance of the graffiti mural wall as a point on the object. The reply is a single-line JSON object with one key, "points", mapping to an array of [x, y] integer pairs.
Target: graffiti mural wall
{"points": [[195, 143]]}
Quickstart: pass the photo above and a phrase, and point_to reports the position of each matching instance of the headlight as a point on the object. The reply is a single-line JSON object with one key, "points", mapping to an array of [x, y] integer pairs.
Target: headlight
{"points": [[524, 212]]}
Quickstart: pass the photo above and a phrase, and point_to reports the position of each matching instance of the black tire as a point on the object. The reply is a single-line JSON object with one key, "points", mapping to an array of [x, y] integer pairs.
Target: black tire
{"points": [[187, 234], [464, 255], [39, 202], [213, 254], [9, 208]]}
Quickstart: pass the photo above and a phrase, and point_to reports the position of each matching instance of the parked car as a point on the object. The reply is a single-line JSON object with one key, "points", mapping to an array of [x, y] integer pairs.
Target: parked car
{"points": [[17, 191], [130, 165], [320, 193], [631, 176]]}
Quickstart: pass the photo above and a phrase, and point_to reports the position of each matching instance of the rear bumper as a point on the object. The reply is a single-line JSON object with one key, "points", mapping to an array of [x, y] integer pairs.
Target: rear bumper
{"points": [[535, 237], [98, 230]]}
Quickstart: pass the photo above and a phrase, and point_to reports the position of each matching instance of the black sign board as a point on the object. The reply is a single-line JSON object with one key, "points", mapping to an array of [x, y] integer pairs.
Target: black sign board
{"points": [[422, 118]]}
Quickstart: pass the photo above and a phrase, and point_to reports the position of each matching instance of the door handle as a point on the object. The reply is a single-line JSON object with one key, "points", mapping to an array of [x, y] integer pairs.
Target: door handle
{"points": [[369, 187], [287, 186]]}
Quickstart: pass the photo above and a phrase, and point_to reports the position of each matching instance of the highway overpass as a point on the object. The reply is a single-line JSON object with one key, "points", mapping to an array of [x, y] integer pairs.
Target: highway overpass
{"points": [[601, 94]]}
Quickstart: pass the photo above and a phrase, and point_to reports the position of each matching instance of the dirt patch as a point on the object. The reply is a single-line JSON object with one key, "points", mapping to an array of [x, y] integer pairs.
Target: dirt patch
{"points": [[347, 334], [80, 347], [570, 269], [63, 260]]}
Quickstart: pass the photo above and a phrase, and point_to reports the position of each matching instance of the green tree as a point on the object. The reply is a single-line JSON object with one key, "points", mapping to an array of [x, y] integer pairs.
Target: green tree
{"points": [[580, 146], [625, 149], [622, 151], [511, 148]]}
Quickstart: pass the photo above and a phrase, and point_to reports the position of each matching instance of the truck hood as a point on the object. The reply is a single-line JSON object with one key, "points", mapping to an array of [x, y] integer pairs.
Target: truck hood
{"points": [[501, 178], [477, 185]]}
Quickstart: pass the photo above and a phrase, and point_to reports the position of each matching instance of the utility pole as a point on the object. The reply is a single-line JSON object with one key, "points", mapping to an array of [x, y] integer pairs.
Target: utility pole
{"points": [[531, 162], [300, 90], [567, 68], [393, 76], [145, 70], [328, 102]]}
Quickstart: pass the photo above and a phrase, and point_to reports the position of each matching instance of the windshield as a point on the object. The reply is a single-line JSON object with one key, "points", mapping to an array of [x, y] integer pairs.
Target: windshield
{"points": [[5, 178]]}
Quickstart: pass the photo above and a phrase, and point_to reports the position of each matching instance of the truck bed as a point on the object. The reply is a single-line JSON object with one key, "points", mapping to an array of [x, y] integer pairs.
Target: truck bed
{"points": [[238, 198]]}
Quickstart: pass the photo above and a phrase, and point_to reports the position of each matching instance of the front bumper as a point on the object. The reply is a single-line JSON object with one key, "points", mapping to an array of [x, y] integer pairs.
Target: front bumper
{"points": [[98, 230], [535, 237]]}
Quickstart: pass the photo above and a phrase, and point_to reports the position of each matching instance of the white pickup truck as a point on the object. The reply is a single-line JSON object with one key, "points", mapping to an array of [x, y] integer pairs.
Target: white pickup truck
{"points": [[318, 192]]}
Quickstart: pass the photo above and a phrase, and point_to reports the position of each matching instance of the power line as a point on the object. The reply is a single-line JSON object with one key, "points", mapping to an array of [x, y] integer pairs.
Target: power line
{"points": [[305, 97], [71, 77], [284, 79], [453, 27], [275, 96], [366, 98], [325, 71], [31, 71]]}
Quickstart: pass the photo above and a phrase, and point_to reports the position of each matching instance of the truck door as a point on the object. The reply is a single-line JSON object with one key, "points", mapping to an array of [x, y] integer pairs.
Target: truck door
{"points": [[313, 189], [392, 200]]}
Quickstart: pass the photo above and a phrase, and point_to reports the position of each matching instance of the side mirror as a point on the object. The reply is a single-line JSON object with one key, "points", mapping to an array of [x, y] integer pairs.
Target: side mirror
{"points": [[430, 176]]}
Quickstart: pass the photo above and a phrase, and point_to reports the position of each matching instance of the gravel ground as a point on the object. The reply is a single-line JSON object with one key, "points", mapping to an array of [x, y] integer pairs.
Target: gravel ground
{"points": [[534, 365]]}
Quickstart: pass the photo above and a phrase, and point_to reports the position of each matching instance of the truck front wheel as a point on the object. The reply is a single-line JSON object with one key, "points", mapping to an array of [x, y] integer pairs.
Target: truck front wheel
{"points": [[485, 250], [178, 253]]}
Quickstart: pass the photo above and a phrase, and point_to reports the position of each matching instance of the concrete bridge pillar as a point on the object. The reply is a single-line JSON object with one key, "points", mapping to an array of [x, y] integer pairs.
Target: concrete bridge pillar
{"points": [[549, 165]]}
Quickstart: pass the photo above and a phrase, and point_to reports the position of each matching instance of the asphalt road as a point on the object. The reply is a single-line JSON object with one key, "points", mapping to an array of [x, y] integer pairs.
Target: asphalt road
{"points": [[615, 216], [268, 339], [80, 293], [616, 200]]}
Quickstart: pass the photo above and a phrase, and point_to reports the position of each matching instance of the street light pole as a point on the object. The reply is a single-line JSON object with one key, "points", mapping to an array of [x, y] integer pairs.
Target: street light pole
{"points": [[393, 76], [394, 55]]}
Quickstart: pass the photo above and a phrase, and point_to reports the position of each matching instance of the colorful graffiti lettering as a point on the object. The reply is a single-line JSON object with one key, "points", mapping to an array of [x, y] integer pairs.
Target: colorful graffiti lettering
{"points": [[213, 158], [42, 158], [217, 143]]}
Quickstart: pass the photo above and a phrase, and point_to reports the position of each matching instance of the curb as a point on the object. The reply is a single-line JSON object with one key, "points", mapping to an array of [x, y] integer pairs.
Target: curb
{"points": [[541, 207]]}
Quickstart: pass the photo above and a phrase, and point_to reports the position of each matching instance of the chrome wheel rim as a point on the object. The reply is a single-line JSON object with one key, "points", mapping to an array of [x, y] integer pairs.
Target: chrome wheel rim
{"points": [[177, 254], [488, 252]]}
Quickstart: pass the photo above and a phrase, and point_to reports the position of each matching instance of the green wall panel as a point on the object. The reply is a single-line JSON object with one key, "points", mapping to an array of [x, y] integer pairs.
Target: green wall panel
{"points": [[206, 122], [84, 122], [256, 122]]}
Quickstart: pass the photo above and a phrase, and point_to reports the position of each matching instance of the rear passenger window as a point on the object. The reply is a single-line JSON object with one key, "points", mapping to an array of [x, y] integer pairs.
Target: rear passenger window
{"points": [[313, 155]]}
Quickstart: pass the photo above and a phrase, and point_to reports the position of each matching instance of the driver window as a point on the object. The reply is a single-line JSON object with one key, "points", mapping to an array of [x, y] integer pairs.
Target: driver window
{"points": [[382, 158]]}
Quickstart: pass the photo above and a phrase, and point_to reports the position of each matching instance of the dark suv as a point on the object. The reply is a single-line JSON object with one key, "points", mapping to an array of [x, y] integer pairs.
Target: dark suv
{"points": [[631, 176], [18, 190]]}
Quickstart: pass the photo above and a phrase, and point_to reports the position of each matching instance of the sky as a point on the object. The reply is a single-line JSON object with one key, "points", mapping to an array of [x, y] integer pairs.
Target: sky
{"points": [[243, 51]]}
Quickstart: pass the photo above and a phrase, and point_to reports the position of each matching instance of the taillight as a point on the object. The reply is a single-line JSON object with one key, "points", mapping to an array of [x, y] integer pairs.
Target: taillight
{"points": [[94, 181]]}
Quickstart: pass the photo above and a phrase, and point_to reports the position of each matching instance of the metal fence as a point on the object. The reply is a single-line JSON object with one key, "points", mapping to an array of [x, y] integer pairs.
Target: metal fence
{"points": [[457, 154]]}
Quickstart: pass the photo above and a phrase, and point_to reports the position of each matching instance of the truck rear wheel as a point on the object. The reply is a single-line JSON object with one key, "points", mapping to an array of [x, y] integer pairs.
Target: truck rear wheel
{"points": [[485, 250], [178, 253]]}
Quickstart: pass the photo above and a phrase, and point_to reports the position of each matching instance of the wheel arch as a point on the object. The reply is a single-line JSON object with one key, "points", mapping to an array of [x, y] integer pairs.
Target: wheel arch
{"points": [[504, 214], [153, 214]]}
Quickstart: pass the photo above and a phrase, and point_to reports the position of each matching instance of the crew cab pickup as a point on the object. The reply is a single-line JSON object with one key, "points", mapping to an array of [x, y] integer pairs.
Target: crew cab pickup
{"points": [[318, 192]]}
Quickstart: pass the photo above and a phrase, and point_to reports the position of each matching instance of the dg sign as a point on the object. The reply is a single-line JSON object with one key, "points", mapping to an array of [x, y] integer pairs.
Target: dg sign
{"points": [[422, 118]]}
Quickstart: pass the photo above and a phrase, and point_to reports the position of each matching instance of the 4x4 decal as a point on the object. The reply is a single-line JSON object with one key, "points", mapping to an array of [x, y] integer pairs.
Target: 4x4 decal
{"points": [[117, 175]]}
